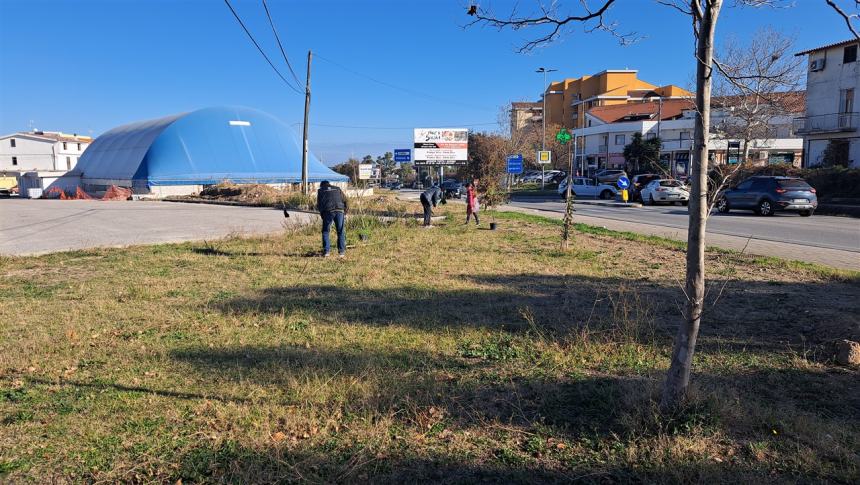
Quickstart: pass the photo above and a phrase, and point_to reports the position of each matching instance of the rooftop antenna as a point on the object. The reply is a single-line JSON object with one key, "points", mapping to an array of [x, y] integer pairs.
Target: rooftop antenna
{"points": [[32, 123]]}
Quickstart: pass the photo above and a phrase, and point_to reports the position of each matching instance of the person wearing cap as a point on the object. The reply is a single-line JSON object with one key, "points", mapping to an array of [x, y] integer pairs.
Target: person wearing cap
{"points": [[331, 202]]}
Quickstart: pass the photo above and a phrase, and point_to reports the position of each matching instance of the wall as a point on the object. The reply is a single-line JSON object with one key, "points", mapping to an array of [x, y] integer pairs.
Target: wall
{"points": [[32, 154], [71, 151], [823, 87]]}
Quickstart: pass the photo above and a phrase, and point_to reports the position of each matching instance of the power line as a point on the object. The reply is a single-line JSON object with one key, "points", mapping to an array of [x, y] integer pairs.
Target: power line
{"points": [[355, 127], [261, 49], [278, 38], [405, 90]]}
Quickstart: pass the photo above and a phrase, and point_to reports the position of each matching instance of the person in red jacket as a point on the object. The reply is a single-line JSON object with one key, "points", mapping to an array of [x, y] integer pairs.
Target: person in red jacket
{"points": [[471, 203]]}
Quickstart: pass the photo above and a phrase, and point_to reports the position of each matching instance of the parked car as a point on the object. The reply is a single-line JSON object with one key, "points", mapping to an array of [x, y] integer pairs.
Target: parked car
{"points": [[665, 190], [453, 189], [766, 195], [558, 177], [586, 187], [639, 182], [609, 176], [530, 176]]}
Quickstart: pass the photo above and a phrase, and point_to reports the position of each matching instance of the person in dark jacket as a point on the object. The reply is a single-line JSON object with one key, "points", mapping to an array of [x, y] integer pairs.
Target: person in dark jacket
{"points": [[332, 206], [430, 197]]}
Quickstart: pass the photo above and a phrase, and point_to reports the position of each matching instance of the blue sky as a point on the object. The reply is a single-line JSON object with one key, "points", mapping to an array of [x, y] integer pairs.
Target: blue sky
{"points": [[85, 66]]}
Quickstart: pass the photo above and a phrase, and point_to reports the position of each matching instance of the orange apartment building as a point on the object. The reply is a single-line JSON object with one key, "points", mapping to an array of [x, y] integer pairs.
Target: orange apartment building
{"points": [[567, 101]]}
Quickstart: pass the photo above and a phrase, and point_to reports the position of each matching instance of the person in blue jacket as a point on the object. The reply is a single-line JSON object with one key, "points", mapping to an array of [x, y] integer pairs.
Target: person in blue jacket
{"points": [[430, 197]]}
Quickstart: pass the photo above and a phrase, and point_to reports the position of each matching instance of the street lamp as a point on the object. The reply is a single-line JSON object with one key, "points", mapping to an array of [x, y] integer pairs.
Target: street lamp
{"points": [[543, 116]]}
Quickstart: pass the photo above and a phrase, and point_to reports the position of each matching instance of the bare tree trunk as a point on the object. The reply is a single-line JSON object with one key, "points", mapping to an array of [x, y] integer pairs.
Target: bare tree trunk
{"points": [[746, 156], [678, 377]]}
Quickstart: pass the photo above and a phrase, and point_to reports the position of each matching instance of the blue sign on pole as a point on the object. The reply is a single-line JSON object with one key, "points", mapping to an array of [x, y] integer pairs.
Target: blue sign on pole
{"points": [[623, 182], [515, 163], [403, 155]]}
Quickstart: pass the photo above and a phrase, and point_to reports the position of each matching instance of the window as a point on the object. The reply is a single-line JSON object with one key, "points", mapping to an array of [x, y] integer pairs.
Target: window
{"points": [[761, 184], [14, 160], [685, 135], [79, 147], [650, 136], [849, 54], [846, 100], [746, 184], [64, 146], [619, 139], [12, 142], [68, 162]]}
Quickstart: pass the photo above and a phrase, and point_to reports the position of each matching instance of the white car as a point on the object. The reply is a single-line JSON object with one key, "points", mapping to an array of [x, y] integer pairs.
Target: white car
{"points": [[665, 190], [530, 176], [586, 187]]}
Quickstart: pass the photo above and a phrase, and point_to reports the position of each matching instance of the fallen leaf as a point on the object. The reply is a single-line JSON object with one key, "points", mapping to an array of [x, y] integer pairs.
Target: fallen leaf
{"points": [[278, 437]]}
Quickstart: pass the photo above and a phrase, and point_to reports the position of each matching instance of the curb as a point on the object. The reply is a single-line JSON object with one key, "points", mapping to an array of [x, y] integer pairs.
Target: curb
{"points": [[604, 203]]}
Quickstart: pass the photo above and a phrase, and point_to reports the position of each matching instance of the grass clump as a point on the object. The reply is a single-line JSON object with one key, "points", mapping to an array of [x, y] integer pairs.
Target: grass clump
{"points": [[447, 355]]}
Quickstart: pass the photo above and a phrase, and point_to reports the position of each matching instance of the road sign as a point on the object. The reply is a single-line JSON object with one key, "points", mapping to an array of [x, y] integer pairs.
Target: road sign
{"points": [[563, 136], [402, 154], [365, 171], [515, 163], [623, 182], [544, 156]]}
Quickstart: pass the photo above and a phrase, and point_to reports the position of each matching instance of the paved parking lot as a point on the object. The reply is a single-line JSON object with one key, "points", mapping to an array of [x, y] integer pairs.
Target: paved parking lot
{"points": [[43, 226]]}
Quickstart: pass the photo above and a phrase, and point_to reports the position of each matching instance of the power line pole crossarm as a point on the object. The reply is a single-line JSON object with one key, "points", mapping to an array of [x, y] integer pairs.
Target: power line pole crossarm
{"points": [[305, 188]]}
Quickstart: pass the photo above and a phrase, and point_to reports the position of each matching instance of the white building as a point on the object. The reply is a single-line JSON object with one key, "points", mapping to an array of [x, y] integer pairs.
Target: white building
{"points": [[610, 128], [41, 150], [832, 83], [39, 159]]}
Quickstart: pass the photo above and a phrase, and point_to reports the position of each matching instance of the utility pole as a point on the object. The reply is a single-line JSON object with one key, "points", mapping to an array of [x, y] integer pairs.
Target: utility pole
{"points": [[543, 120], [305, 188]]}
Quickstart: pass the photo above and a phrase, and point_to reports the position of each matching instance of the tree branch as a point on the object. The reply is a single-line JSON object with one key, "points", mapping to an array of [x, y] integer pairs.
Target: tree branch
{"points": [[846, 16], [549, 17]]}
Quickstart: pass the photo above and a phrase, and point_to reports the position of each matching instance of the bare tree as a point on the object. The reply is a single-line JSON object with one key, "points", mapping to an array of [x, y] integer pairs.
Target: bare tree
{"points": [[851, 19], [703, 15], [756, 89]]}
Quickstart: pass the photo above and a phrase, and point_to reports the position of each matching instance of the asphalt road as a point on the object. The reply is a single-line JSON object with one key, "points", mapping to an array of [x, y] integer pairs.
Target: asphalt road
{"points": [[43, 226], [826, 239]]}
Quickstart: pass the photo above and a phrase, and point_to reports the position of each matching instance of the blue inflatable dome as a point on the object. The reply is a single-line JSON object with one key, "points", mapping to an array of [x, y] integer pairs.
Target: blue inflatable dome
{"points": [[202, 147]]}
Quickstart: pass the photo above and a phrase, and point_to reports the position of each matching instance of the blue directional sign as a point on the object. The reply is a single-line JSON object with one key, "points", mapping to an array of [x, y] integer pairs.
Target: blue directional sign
{"points": [[403, 155], [515, 163], [623, 182]]}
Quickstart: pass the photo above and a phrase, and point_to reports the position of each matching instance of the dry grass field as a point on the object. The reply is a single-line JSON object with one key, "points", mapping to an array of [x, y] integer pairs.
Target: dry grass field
{"points": [[451, 355]]}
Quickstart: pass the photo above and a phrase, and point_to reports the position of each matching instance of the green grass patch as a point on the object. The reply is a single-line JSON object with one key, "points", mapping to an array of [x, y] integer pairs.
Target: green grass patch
{"points": [[454, 354]]}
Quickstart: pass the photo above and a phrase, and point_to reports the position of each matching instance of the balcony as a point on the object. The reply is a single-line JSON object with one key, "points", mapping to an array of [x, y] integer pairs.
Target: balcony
{"points": [[829, 123], [676, 145]]}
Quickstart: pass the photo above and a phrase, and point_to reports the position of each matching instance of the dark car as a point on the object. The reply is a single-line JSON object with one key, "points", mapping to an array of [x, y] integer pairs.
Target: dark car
{"points": [[766, 195], [609, 176], [453, 189], [639, 182]]}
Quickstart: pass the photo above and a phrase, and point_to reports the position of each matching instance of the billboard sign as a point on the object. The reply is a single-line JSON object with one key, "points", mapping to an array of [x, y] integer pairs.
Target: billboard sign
{"points": [[365, 171], [441, 146], [402, 154]]}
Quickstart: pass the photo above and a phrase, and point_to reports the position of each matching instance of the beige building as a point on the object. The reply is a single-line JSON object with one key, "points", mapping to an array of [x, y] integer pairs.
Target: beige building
{"points": [[567, 101], [525, 114]]}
